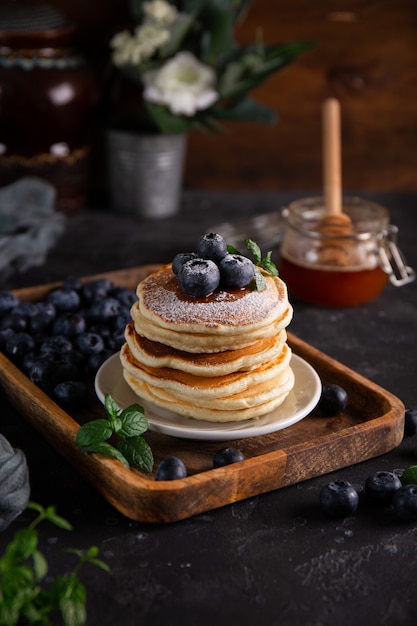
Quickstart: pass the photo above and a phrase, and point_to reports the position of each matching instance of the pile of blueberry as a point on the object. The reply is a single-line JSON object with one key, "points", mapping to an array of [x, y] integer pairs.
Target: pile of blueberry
{"points": [[60, 340], [211, 266]]}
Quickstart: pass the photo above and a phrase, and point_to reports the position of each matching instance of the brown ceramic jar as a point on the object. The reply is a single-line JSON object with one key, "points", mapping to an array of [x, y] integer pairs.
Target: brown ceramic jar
{"points": [[47, 95]]}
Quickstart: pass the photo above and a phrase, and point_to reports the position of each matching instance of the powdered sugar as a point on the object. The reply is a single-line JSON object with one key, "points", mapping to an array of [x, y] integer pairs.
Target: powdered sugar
{"points": [[162, 296]]}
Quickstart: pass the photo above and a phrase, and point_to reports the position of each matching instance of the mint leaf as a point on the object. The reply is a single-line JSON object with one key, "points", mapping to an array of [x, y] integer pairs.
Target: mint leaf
{"points": [[127, 425], [259, 280], [254, 249], [40, 566], [93, 432], [111, 407], [133, 421], [71, 596], [268, 265], [138, 453], [101, 447], [231, 249]]}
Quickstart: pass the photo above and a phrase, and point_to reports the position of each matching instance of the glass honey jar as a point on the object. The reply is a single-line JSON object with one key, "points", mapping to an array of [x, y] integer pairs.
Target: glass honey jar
{"points": [[346, 268]]}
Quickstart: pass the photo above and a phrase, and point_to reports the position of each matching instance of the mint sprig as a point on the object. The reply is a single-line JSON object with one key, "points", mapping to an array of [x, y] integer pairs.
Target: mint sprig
{"points": [[124, 425], [27, 594], [265, 263]]}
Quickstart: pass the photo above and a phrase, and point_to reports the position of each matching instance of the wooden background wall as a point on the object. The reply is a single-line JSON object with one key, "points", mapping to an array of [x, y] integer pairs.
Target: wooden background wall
{"points": [[366, 55]]}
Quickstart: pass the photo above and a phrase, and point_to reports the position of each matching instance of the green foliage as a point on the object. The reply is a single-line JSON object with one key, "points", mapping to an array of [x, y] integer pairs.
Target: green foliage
{"points": [[206, 29], [24, 596], [126, 426]]}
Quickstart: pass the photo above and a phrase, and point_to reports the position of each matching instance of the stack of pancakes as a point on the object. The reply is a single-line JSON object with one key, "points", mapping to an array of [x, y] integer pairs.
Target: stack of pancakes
{"points": [[220, 358]]}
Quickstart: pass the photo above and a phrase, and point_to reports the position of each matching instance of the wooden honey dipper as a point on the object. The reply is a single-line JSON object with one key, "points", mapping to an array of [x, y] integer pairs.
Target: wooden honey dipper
{"points": [[335, 223]]}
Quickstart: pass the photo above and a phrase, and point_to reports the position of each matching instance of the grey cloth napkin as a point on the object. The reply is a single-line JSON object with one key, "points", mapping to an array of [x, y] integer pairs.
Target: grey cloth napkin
{"points": [[29, 224]]}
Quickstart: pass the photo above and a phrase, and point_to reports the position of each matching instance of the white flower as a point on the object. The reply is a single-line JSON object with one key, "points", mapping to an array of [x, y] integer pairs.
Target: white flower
{"points": [[160, 11], [131, 49], [183, 84]]}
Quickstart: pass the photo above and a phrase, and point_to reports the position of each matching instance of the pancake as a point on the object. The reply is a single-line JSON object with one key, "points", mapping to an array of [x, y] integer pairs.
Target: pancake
{"points": [[155, 354], [195, 388], [248, 407], [225, 320], [218, 358]]}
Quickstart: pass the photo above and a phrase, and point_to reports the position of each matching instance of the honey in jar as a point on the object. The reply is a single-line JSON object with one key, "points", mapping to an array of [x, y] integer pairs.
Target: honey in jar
{"points": [[340, 269]]}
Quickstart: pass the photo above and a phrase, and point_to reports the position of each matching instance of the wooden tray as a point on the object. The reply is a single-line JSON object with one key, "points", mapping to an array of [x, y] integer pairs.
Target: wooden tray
{"points": [[372, 424]]}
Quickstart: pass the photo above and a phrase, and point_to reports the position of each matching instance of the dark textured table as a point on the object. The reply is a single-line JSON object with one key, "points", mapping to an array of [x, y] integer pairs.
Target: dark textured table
{"points": [[273, 559]]}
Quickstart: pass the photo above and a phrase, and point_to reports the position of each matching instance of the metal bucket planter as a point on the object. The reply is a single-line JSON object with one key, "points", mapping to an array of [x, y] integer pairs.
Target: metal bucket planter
{"points": [[145, 173]]}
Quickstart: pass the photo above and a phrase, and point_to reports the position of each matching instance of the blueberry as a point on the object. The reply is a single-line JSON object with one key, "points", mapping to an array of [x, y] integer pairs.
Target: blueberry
{"points": [[199, 277], [18, 345], [38, 324], [74, 357], [339, 499], [95, 361], [333, 399], [405, 503], [116, 340], [71, 394], [125, 296], [47, 309], [7, 301], [410, 423], [211, 246], [73, 282], [5, 334], [96, 289], [170, 468], [14, 321], [226, 456], [26, 309], [55, 345], [382, 485], [236, 271], [43, 373], [69, 324], [180, 259], [121, 319], [89, 343], [64, 299], [103, 310]]}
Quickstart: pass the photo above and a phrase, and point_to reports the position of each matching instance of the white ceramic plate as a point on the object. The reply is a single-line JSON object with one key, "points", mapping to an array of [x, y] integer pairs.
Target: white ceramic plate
{"points": [[298, 404]]}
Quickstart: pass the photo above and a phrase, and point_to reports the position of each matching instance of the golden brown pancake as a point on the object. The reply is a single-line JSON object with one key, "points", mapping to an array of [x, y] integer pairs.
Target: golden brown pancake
{"points": [[220, 358]]}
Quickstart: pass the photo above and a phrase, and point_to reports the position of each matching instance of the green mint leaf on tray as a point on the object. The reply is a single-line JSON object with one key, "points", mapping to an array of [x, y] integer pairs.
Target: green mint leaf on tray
{"points": [[138, 452], [126, 426], [94, 432], [102, 447], [133, 421]]}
